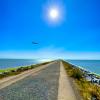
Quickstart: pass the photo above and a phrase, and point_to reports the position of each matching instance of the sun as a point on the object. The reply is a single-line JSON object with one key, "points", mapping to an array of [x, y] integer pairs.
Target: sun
{"points": [[54, 13]]}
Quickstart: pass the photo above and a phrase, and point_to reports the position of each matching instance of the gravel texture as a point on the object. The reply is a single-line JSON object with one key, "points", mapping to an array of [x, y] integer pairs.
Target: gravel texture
{"points": [[43, 86]]}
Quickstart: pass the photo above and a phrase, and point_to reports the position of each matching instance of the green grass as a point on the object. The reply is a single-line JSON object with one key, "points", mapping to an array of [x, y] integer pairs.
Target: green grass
{"points": [[87, 89], [8, 69]]}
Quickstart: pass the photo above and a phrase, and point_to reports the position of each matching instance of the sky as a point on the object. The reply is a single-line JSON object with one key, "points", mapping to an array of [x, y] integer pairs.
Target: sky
{"points": [[75, 35]]}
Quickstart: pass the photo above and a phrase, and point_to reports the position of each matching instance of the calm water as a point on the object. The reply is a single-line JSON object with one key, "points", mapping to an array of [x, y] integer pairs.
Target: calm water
{"points": [[6, 63], [91, 65]]}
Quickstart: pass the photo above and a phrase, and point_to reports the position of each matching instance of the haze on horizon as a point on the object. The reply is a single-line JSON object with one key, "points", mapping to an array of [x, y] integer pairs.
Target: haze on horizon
{"points": [[68, 29]]}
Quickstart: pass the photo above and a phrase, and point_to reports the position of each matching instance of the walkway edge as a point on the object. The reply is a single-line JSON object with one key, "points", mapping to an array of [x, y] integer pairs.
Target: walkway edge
{"points": [[65, 91]]}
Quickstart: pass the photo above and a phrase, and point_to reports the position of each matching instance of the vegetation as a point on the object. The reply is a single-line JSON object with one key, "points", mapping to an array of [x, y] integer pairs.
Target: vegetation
{"points": [[7, 69], [14, 71], [87, 90]]}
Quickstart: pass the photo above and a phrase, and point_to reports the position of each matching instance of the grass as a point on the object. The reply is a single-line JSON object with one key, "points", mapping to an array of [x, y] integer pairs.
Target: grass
{"points": [[14, 71], [7, 69], [87, 90]]}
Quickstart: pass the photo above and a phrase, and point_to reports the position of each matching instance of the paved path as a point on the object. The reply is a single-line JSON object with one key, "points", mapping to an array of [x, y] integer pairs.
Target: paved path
{"points": [[50, 83], [65, 91]]}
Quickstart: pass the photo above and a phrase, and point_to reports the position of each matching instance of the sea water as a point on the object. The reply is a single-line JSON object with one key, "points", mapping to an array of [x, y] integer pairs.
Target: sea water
{"points": [[90, 65], [8, 63]]}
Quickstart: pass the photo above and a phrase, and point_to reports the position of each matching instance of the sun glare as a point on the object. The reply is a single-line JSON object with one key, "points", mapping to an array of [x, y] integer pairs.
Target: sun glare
{"points": [[53, 13]]}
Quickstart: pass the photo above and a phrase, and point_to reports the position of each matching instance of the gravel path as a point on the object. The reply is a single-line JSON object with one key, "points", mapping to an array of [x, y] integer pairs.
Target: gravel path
{"points": [[43, 86]]}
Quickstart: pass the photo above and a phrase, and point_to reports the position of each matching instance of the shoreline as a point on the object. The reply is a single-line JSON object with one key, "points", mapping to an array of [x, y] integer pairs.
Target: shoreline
{"points": [[88, 89], [88, 75], [14, 68], [80, 67], [15, 71], [6, 81]]}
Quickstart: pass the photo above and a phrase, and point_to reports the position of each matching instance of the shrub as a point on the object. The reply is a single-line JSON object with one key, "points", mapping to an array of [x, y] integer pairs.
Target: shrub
{"points": [[2, 75], [77, 74], [32, 66], [20, 69], [12, 71]]}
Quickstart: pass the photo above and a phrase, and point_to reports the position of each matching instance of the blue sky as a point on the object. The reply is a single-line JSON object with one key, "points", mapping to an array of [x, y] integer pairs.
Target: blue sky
{"points": [[77, 36]]}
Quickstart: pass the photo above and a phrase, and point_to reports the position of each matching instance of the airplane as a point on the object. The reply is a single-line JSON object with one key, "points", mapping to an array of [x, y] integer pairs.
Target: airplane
{"points": [[34, 42]]}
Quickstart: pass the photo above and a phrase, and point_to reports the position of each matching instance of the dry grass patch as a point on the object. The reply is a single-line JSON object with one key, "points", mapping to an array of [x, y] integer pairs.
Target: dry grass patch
{"points": [[87, 90]]}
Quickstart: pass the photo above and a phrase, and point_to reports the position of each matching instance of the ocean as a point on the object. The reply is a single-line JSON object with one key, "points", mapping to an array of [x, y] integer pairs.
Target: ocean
{"points": [[90, 65], [8, 63]]}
